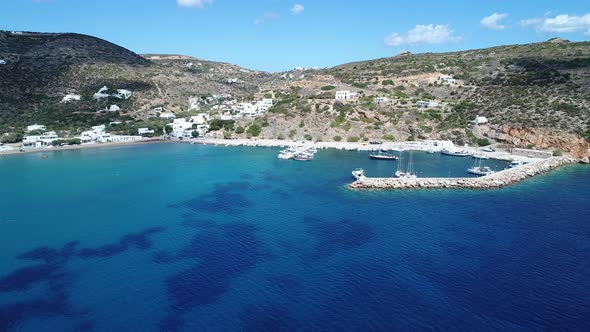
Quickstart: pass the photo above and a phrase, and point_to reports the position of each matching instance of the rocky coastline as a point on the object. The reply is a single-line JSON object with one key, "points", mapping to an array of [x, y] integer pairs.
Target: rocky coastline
{"points": [[496, 180]]}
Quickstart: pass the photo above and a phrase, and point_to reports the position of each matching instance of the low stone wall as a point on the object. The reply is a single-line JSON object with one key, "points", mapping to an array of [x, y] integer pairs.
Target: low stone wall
{"points": [[496, 180]]}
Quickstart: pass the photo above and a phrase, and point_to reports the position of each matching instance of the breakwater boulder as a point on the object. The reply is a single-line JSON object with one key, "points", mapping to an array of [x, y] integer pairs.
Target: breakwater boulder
{"points": [[496, 180]]}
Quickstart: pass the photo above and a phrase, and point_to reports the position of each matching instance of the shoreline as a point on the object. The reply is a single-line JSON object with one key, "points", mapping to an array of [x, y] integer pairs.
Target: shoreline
{"points": [[17, 151], [497, 180], [357, 146]]}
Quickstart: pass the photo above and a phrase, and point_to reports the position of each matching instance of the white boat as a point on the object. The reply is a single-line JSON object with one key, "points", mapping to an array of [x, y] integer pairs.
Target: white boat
{"points": [[477, 170], [515, 163], [285, 156], [480, 156], [409, 173], [358, 173], [383, 156], [431, 151], [302, 157], [458, 153]]}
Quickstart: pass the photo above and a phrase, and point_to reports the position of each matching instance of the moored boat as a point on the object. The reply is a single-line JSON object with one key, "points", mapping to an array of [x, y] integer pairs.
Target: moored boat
{"points": [[458, 153], [302, 157], [482, 171], [358, 173], [515, 163], [383, 156]]}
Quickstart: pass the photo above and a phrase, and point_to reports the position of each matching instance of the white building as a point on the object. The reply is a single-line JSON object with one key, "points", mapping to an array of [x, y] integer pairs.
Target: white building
{"points": [[263, 105], [114, 108], [427, 104], [231, 80], [195, 103], [108, 138], [346, 95], [70, 97], [199, 119], [167, 115], [381, 100], [142, 131], [101, 94], [122, 94], [39, 141], [36, 127], [97, 133], [480, 120], [448, 80]]}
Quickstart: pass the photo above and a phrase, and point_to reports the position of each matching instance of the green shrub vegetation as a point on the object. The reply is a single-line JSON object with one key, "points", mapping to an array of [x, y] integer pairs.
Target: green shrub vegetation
{"points": [[353, 139], [254, 130]]}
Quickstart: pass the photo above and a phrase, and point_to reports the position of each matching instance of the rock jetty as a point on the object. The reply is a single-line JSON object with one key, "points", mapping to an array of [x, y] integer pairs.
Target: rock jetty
{"points": [[496, 180]]}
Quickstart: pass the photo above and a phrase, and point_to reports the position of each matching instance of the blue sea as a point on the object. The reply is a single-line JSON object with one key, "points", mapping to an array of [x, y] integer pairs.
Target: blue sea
{"points": [[179, 237]]}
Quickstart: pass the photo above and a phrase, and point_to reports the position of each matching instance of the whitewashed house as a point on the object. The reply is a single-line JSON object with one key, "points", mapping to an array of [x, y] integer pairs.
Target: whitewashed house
{"points": [[427, 104], [39, 141], [381, 100], [263, 105], [36, 127], [167, 115], [101, 94], [114, 108], [199, 119], [70, 97], [448, 80], [194, 103], [480, 120], [345, 95], [231, 81], [143, 131], [122, 94]]}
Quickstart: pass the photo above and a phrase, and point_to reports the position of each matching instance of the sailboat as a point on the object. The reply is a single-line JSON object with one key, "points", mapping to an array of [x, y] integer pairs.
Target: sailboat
{"points": [[477, 169], [409, 173]]}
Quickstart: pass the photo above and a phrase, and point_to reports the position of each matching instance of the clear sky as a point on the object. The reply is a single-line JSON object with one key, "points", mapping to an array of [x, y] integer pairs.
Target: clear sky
{"points": [[277, 35]]}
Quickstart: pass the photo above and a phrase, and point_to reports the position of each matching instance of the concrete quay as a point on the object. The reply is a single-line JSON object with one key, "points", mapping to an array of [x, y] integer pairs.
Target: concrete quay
{"points": [[497, 180]]}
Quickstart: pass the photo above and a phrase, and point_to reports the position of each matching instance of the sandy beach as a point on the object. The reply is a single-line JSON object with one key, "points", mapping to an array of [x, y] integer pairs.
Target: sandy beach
{"points": [[16, 148]]}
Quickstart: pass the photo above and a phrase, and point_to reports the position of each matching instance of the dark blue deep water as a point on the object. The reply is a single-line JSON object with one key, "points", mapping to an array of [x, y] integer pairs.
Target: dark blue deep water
{"points": [[178, 237]]}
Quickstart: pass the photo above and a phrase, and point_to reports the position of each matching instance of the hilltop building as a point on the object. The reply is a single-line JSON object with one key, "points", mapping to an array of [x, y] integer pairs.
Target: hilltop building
{"points": [[70, 97], [36, 127], [346, 95], [427, 104], [479, 120]]}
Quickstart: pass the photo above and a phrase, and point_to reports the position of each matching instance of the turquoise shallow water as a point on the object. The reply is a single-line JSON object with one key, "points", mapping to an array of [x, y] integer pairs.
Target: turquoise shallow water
{"points": [[183, 237]]}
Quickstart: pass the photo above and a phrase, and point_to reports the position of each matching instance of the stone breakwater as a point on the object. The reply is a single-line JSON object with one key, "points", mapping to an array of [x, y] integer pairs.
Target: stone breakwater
{"points": [[496, 180]]}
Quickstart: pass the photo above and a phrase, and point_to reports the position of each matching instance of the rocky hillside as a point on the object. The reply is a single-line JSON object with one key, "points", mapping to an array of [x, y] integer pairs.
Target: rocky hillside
{"points": [[523, 90]]}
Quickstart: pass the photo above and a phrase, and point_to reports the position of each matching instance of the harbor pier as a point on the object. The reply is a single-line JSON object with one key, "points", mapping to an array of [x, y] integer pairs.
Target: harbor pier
{"points": [[496, 180]]}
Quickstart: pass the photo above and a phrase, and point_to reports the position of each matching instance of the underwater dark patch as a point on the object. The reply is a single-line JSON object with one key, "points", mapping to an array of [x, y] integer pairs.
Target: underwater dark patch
{"points": [[224, 252], [227, 198], [140, 241], [334, 236]]}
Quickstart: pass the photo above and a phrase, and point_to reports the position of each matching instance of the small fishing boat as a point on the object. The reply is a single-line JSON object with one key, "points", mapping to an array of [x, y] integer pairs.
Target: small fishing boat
{"points": [[302, 157], [431, 151], [459, 153], [515, 163], [383, 156], [358, 173], [480, 156]]}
